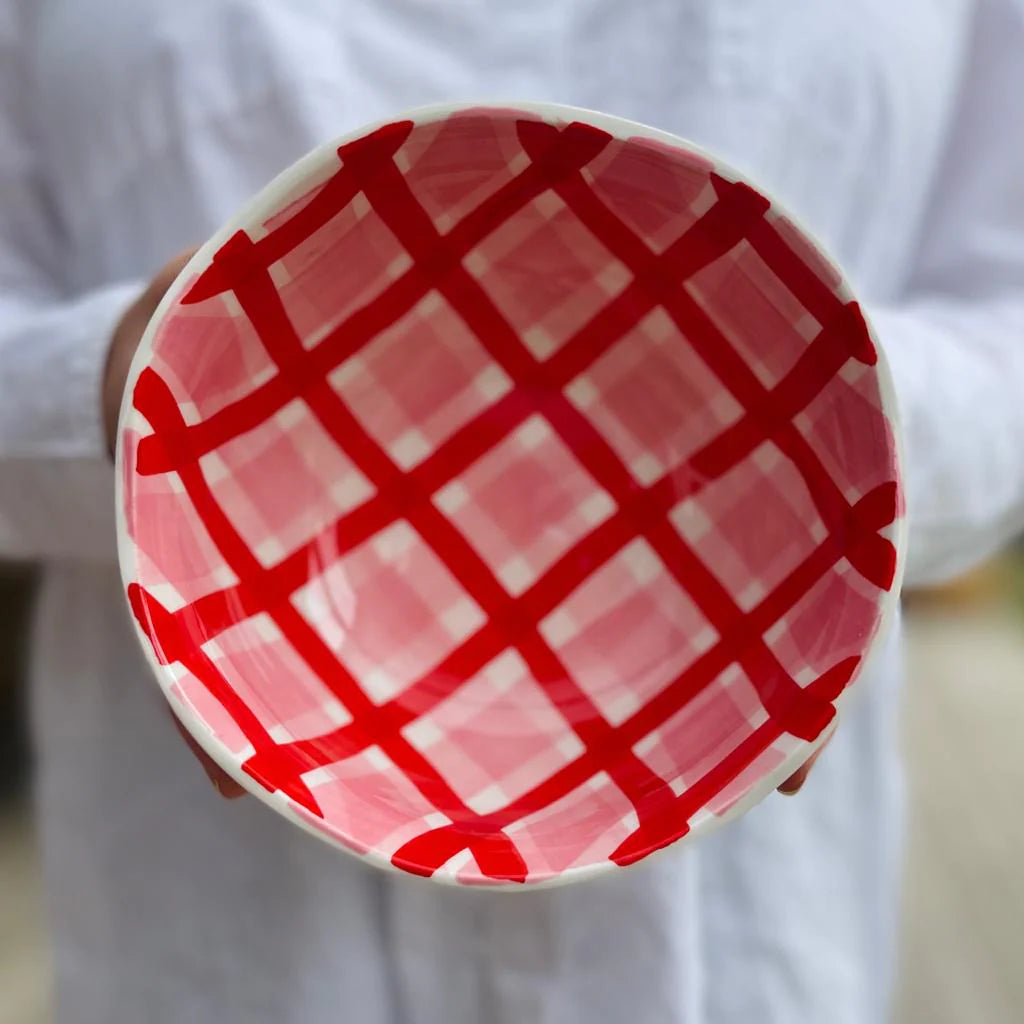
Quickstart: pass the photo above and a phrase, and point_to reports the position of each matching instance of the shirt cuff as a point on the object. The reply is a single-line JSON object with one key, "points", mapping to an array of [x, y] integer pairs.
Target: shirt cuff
{"points": [[60, 376]]}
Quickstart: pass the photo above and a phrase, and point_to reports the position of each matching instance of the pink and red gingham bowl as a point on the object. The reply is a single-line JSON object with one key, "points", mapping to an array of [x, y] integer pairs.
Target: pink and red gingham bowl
{"points": [[507, 494]]}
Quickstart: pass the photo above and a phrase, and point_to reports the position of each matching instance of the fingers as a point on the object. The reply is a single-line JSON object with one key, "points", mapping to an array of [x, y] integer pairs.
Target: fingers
{"points": [[795, 782], [222, 782], [167, 274]]}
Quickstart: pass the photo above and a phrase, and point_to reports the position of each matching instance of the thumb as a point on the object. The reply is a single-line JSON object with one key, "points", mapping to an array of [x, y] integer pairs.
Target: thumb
{"points": [[795, 782]]}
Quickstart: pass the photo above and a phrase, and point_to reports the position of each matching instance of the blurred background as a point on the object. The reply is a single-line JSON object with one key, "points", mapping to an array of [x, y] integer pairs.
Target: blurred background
{"points": [[963, 911]]}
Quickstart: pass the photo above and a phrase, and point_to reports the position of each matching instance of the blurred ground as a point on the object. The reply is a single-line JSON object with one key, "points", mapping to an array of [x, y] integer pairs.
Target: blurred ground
{"points": [[964, 888], [24, 968], [963, 930]]}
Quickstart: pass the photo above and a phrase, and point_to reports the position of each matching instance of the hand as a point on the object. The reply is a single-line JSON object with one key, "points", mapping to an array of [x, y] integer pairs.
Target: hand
{"points": [[795, 782], [123, 344]]}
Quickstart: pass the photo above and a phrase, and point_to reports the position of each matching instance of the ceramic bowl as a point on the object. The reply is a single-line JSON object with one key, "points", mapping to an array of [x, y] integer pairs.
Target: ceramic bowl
{"points": [[506, 494]]}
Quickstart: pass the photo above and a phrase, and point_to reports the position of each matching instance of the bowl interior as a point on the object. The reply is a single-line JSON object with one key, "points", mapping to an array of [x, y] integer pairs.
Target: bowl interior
{"points": [[505, 500]]}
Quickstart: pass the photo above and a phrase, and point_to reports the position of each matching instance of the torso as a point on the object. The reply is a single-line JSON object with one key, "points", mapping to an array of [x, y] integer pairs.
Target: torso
{"points": [[158, 119]]}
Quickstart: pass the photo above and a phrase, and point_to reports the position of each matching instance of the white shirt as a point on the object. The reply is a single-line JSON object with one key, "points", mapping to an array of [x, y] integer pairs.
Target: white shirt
{"points": [[131, 128]]}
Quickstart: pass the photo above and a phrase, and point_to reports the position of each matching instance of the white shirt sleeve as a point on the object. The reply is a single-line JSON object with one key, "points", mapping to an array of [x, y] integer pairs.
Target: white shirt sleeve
{"points": [[56, 486], [956, 344]]}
